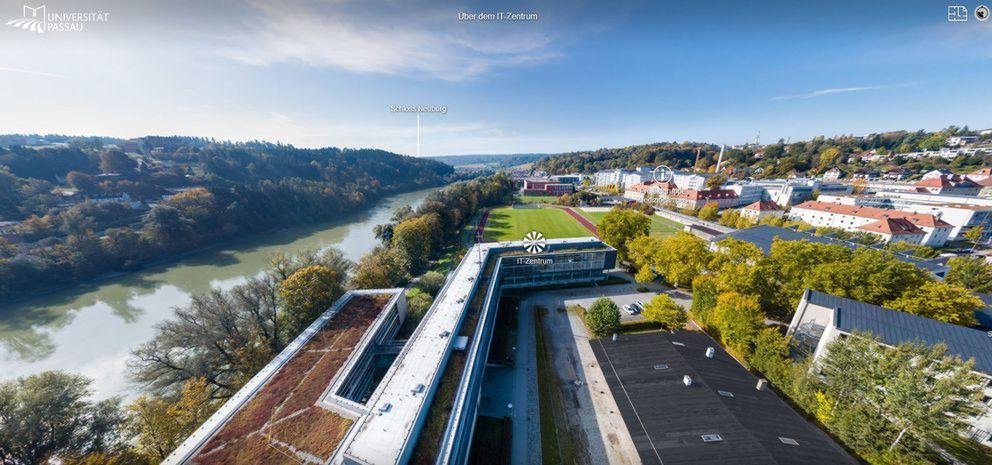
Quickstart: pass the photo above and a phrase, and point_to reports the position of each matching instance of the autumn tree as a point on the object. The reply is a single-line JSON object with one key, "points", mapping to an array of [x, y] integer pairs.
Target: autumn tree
{"points": [[973, 273], [160, 425], [382, 267], [681, 257], [704, 296], [974, 234], [940, 301], [416, 238], [664, 310], [603, 317], [620, 226], [709, 212], [306, 294], [735, 266]]}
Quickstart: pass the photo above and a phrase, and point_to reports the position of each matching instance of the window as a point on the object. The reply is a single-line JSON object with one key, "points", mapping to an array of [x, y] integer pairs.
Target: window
{"points": [[712, 438], [789, 441], [725, 393]]}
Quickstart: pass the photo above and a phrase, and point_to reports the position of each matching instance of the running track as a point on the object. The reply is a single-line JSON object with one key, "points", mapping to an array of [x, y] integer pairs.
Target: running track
{"points": [[480, 227], [582, 220]]}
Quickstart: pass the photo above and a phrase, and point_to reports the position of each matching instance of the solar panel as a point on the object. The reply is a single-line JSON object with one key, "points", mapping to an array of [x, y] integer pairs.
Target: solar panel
{"points": [[789, 441], [712, 438]]}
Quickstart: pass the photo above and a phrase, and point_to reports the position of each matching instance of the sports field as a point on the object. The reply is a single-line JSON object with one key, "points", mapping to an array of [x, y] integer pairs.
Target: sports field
{"points": [[510, 224], [660, 227]]}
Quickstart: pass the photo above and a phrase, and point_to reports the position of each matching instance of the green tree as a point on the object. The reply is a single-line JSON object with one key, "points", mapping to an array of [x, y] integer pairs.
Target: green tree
{"points": [[306, 294], [920, 392], [620, 226], [418, 302], [787, 267], [738, 318], [770, 356], [662, 309], [416, 238], [603, 317], [431, 282], [710, 211], [973, 273], [641, 253], [48, 416], [941, 301], [704, 295], [869, 275]]}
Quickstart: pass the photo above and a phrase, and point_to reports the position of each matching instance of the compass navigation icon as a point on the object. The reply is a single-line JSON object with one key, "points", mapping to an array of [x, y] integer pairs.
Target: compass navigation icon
{"points": [[534, 242]]}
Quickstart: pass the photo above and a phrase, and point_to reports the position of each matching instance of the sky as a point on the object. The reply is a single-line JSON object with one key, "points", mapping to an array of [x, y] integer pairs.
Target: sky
{"points": [[584, 75]]}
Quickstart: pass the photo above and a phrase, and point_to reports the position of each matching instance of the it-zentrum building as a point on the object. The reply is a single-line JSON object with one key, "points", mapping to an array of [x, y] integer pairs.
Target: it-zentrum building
{"points": [[349, 390]]}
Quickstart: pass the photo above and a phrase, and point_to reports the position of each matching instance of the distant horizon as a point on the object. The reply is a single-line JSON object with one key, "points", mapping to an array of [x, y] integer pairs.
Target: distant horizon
{"points": [[765, 143]]}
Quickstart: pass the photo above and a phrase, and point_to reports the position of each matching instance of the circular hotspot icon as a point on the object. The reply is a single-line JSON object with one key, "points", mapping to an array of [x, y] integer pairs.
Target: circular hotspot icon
{"points": [[982, 13], [534, 242]]}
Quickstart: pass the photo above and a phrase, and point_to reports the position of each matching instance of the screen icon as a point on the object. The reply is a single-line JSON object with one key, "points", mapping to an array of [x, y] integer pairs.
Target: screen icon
{"points": [[982, 13], [957, 13]]}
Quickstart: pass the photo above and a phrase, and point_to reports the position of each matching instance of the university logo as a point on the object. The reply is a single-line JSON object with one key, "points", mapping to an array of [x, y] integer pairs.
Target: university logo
{"points": [[534, 242], [40, 19], [33, 19]]}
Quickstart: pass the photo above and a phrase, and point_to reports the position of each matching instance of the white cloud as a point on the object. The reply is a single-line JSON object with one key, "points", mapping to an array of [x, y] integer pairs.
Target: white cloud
{"points": [[410, 38], [840, 90], [32, 72]]}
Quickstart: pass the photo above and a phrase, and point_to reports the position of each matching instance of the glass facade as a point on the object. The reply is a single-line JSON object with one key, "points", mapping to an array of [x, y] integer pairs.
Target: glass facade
{"points": [[555, 268]]}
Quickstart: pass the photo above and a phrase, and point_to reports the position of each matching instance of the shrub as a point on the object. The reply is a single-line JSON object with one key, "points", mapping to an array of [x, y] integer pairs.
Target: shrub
{"points": [[603, 317]]}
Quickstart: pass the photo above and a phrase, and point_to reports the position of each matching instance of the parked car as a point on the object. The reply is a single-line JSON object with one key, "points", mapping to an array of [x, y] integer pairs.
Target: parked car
{"points": [[629, 310]]}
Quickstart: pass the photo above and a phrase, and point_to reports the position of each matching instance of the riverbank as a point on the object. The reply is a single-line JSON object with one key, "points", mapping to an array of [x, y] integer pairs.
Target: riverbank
{"points": [[91, 329]]}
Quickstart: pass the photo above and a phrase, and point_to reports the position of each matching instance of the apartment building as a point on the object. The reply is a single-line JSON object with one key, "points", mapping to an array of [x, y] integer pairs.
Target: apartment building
{"points": [[668, 193], [890, 225], [761, 209], [822, 318]]}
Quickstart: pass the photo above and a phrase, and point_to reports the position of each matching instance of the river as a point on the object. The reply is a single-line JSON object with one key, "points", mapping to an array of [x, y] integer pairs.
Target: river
{"points": [[91, 329]]}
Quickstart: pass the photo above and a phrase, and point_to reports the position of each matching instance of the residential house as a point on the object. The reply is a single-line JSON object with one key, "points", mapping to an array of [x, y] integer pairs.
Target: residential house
{"points": [[852, 218], [762, 209], [823, 318]]}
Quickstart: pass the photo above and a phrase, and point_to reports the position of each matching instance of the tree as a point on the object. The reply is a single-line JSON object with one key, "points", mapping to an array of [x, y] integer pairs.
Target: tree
{"points": [[431, 282], [418, 302], [306, 294], [974, 234], [973, 273], [662, 309], [603, 317], [681, 257], [738, 318], [873, 276], [416, 238], [620, 226], [917, 391], [735, 265], [380, 268], [160, 425], [704, 295], [709, 212], [716, 181], [771, 350], [47, 416], [82, 182], [115, 161], [788, 264], [940, 301]]}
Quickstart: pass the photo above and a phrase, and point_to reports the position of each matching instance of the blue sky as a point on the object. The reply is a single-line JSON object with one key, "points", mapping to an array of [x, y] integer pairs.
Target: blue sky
{"points": [[585, 75]]}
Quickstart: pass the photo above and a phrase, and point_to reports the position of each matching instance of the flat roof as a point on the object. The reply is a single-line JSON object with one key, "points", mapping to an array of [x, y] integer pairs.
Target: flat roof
{"points": [[667, 420], [276, 417], [382, 438]]}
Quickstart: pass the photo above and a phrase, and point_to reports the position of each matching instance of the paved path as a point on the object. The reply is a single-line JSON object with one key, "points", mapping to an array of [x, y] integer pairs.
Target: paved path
{"points": [[480, 229], [526, 446]]}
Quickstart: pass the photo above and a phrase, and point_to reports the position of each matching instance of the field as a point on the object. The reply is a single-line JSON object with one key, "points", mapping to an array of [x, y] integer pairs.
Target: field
{"points": [[510, 224], [660, 227]]}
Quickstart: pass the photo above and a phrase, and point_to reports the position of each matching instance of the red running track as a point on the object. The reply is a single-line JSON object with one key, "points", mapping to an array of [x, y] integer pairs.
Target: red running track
{"points": [[582, 220], [480, 227]]}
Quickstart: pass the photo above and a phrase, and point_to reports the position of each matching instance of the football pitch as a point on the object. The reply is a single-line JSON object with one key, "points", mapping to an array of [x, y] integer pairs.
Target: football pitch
{"points": [[660, 227], [510, 224]]}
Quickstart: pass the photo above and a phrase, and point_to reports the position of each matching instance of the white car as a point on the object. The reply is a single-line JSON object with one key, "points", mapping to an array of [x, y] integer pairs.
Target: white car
{"points": [[629, 310]]}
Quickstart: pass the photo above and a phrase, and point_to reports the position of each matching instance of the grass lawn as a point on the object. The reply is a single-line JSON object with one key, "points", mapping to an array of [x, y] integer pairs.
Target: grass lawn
{"points": [[537, 198], [557, 447], [660, 227], [510, 224]]}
